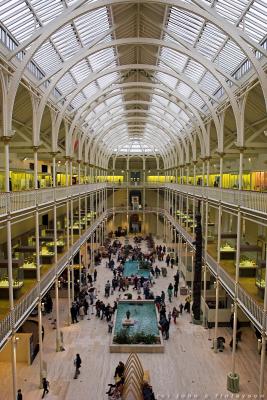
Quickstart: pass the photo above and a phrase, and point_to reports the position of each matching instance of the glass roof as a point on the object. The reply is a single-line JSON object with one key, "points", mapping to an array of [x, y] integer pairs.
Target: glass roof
{"points": [[189, 70]]}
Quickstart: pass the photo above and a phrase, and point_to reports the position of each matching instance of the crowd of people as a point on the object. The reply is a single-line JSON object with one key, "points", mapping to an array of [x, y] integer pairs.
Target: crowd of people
{"points": [[88, 302]]}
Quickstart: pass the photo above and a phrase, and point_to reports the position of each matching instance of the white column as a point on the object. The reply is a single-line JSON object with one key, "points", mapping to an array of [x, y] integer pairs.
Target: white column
{"points": [[68, 238], [263, 337], [237, 262], [221, 170], [205, 260], [217, 279], [10, 272], [38, 269]]}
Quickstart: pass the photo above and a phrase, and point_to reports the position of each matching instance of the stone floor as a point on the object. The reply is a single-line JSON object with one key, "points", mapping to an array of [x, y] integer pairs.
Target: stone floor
{"points": [[187, 369]]}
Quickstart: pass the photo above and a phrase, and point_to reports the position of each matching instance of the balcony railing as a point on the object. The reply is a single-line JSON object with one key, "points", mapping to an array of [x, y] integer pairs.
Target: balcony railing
{"points": [[24, 307], [24, 200], [250, 307], [19, 201], [249, 200]]}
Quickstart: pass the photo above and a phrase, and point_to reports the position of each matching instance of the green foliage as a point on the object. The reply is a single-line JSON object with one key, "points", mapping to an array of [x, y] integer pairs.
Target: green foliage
{"points": [[123, 337], [144, 265]]}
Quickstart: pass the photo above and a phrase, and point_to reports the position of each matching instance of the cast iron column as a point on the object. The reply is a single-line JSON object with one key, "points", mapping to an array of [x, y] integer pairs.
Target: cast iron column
{"points": [[198, 268]]}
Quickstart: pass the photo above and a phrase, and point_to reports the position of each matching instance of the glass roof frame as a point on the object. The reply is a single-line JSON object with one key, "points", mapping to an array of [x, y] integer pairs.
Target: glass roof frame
{"points": [[193, 30]]}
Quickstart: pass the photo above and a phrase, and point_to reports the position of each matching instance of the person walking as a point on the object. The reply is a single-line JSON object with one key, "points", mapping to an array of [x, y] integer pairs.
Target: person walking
{"points": [[45, 387], [73, 312], [169, 317], [107, 289], [175, 293], [95, 275], [181, 307], [175, 314], [19, 395], [170, 292], [162, 297], [177, 277], [77, 363], [168, 260], [81, 312]]}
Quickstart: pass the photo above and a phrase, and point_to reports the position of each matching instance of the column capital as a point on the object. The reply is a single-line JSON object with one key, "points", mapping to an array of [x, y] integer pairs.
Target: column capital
{"points": [[205, 158], [5, 139], [240, 147], [220, 153], [35, 148], [53, 153], [182, 165], [79, 161]]}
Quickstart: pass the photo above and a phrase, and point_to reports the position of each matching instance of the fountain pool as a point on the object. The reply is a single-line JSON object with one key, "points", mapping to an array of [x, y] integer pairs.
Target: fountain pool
{"points": [[143, 313], [131, 268]]}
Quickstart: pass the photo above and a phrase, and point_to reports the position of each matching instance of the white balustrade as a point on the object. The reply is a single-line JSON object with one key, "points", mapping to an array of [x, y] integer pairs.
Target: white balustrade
{"points": [[27, 303], [19, 201], [250, 200]]}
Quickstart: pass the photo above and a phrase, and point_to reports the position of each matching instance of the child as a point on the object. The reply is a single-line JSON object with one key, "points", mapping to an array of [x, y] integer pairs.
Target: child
{"points": [[110, 326], [181, 307], [169, 317]]}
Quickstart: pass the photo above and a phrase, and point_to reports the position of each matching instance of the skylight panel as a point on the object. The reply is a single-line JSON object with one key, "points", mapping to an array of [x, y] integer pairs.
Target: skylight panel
{"points": [[66, 83], [196, 100], [9, 14], [231, 10], [184, 24], [174, 107], [159, 100], [184, 116], [47, 57], [174, 58], [28, 28], [113, 100], [66, 42], [256, 22], [47, 10], [194, 70], [210, 41], [169, 80], [230, 57], [92, 25], [209, 83], [106, 80], [77, 101], [80, 71], [101, 58], [90, 90], [184, 89]]}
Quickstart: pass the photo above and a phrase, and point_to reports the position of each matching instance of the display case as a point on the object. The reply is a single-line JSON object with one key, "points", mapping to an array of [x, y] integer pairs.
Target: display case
{"points": [[211, 232], [228, 246], [29, 267], [261, 266], [46, 256], [248, 260], [227, 250], [60, 245], [18, 278], [260, 277]]}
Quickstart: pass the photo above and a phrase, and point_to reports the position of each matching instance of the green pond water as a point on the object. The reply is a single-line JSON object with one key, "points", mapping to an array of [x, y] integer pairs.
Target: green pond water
{"points": [[144, 315], [131, 268]]}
